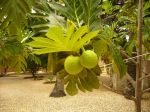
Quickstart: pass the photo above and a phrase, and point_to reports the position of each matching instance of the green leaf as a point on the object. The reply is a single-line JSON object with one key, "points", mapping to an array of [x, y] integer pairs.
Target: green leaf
{"points": [[56, 33], [100, 47], [83, 74], [40, 42], [115, 68], [59, 8], [46, 50], [80, 11], [19, 63], [70, 10], [129, 46], [97, 70], [86, 85], [86, 38], [15, 11], [44, 17], [71, 88], [91, 11], [67, 78], [78, 35], [34, 58], [80, 86], [61, 39], [147, 5], [107, 6], [92, 80], [70, 29], [118, 61]]}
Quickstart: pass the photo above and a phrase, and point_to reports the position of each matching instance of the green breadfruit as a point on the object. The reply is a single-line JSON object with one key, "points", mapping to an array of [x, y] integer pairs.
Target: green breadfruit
{"points": [[88, 59], [72, 65]]}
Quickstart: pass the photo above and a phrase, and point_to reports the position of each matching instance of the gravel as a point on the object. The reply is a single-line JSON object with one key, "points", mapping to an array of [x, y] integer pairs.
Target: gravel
{"points": [[27, 95]]}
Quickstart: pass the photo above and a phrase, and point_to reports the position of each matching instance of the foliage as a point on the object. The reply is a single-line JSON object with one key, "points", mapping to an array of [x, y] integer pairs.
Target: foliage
{"points": [[8, 47], [107, 42], [14, 12], [43, 17], [77, 11], [146, 33], [13, 23], [13, 53], [71, 39], [19, 18], [127, 19], [84, 81], [61, 39], [80, 11]]}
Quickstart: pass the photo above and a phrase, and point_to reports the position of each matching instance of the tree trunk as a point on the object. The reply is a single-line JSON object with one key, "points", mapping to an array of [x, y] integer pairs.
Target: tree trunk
{"points": [[58, 90], [4, 71], [138, 91]]}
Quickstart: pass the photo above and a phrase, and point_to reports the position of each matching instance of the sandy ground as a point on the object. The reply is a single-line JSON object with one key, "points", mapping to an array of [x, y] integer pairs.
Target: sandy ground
{"points": [[27, 95]]}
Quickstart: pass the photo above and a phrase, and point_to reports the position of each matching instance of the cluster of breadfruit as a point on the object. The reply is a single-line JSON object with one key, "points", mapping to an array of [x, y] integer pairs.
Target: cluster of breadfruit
{"points": [[75, 64]]}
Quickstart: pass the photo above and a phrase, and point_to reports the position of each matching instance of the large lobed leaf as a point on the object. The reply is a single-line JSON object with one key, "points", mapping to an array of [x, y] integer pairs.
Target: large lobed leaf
{"points": [[61, 39], [71, 9], [86, 80], [91, 12], [72, 87], [80, 11]]}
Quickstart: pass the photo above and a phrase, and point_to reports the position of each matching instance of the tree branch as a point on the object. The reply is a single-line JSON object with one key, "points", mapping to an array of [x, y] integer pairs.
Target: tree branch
{"points": [[130, 79], [143, 77], [146, 90], [124, 53]]}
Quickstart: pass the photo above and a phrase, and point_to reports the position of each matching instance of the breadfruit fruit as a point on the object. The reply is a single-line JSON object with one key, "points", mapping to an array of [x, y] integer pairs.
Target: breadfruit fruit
{"points": [[72, 65], [88, 59]]}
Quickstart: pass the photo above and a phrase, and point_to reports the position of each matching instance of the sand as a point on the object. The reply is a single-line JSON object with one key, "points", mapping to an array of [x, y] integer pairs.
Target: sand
{"points": [[27, 95]]}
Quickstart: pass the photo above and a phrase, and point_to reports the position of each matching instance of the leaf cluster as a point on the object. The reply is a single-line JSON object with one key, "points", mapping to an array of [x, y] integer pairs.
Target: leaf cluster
{"points": [[87, 80], [60, 39]]}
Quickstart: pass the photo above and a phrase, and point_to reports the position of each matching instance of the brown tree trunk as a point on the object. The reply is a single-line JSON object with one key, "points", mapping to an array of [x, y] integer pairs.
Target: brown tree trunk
{"points": [[4, 71], [58, 90], [138, 91]]}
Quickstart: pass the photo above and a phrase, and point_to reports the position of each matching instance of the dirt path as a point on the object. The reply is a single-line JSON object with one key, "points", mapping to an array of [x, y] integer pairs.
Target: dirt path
{"points": [[26, 95]]}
